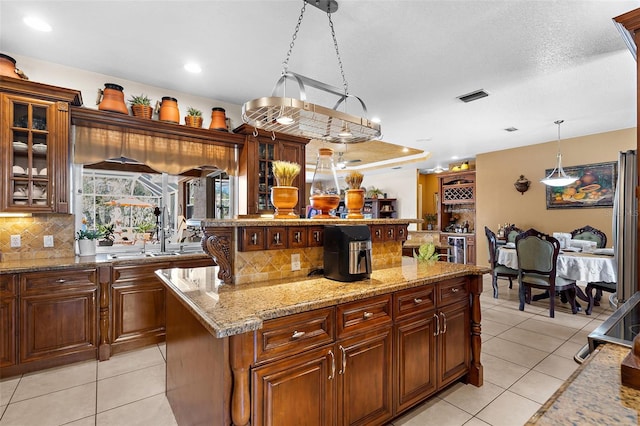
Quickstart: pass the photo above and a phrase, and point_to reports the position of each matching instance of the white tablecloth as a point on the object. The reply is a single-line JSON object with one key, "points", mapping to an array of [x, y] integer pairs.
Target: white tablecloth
{"points": [[573, 266]]}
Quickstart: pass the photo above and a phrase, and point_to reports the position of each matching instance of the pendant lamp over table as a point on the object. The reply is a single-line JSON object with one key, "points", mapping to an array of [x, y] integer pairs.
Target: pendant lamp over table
{"points": [[558, 177]]}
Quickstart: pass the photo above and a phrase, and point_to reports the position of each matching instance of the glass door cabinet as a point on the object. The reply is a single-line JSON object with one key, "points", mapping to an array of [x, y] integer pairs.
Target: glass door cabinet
{"points": [[35, 139]]}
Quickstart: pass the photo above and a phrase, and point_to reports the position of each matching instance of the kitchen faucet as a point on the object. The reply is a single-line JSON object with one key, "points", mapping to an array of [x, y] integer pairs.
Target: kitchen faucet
{"points": [[160, 228]]}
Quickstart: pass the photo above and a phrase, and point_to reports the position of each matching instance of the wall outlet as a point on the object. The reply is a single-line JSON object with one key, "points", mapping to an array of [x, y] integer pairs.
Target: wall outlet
{"points": [[48, 240], [15, 241], [295, 262]]}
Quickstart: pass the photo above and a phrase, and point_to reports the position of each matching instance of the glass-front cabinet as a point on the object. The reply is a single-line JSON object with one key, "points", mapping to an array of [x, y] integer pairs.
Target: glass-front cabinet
{"points": [[35, 146], [266, 155]]}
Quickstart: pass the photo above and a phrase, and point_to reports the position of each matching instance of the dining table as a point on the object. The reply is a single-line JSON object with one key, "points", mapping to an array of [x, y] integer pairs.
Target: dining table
{"points": [[572, 265]]}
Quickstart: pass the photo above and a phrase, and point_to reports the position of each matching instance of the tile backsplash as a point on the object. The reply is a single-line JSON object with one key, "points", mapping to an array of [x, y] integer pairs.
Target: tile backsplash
{"points": [[32, 231]]}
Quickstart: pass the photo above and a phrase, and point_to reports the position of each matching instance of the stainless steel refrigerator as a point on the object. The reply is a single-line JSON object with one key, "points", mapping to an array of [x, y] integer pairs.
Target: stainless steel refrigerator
{"points": [[625, 225]]}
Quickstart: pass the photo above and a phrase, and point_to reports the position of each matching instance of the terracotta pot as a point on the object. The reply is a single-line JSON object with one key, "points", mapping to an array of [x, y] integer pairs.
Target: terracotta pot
{"points": [[324, 203], [169, 110], [284, 199], [354, 201], [112, 99], [8, 67], [218, 119], [193, 121], [142, 111]]}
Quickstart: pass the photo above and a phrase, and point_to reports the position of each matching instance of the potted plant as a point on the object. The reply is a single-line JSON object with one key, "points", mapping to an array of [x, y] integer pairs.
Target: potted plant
{"points": [[145, 228], [86, 241], [107, 235], [141, 106], [427, 253], [431, 219], [193, 118], [374, 192], [284, 197], [354, 196]]}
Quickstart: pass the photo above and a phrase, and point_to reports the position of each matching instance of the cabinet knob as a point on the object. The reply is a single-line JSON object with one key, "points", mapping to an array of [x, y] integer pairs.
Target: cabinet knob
{"points": [[297, 334], [417, 300], [455, 290], [61, 281], [367, 315]]}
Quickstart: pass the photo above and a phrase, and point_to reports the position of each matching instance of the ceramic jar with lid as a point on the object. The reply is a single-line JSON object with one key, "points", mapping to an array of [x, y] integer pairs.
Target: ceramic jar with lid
{"points": [[169, 110], [8, 67], [112, 99], [218, 119]]}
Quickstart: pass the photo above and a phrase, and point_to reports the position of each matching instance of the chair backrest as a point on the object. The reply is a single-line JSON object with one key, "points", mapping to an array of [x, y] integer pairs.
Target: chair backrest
{"points": [[537, 252], [491, 239], [511, 232], [587, 233]]}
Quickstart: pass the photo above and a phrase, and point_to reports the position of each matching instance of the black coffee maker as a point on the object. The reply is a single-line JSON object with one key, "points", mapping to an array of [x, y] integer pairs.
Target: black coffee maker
{"points": [[347, 252]]}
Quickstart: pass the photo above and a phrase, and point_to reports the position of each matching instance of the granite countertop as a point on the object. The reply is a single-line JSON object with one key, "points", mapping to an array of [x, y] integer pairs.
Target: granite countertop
{"points": [[226, 310], [268, 221], [593, 395], [52, 264]]}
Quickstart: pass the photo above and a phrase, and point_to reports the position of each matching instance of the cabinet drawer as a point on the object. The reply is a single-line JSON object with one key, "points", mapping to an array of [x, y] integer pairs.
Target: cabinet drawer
{"points": [[401, 232], [297, 236], [7, 284], [276, 238], [364, 315], [294, 334], [137, 272], [451, 291], [390, 232], [57, 280], [315, 236], [413, 301], [251, 238], [377, 233]]}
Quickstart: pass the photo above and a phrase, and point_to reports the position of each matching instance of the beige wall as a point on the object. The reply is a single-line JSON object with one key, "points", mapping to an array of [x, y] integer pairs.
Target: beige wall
{"points": [[499, 202]]}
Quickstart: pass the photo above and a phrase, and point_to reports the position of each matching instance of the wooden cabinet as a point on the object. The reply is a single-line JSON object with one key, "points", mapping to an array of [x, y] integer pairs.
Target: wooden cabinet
{"points": [[380, 208], [8, 319], [35, 146], [58, 317], [137, 307], [256, 175], [457, 208]]}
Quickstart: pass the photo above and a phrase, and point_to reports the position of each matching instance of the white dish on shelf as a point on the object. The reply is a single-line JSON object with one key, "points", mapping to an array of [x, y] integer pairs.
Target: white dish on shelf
{"points": [[41, 202], [43, 172], [40, 148], [17, 170], [17, 145], [20, 202]]}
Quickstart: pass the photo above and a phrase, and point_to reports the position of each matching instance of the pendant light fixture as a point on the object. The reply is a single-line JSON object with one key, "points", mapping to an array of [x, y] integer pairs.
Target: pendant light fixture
{"points": [[558, 177], [299, 117]]}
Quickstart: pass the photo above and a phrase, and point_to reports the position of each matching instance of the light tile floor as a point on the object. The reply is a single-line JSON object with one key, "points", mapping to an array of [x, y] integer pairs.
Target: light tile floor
{"points": [[526, 357]]}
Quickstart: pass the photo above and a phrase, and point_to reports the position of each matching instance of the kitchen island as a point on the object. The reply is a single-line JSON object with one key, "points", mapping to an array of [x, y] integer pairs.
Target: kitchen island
{"points": [[309, 350]]}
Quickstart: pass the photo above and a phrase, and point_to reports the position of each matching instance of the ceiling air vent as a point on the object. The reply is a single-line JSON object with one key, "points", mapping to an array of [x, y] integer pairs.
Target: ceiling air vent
{"points": [[473, 96], [511, 129]]}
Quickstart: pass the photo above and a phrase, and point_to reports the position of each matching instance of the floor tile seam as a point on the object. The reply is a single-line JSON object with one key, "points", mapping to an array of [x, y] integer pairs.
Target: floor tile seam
{"points": [[53, 392], [128, 403], [529, 345], [455, 406], [13, 393], [130, 371], [541, 361], [539, 372], [81, 418], [555, 325], [503, 390]]}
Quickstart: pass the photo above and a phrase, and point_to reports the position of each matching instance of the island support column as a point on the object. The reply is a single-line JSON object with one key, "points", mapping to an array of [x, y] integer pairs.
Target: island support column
{"points": [[475, 370], [240, 354]]}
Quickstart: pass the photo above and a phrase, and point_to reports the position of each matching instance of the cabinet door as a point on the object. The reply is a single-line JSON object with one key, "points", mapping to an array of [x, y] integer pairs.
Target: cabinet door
{"points": [[453, 342], [471, 250], [298, 390], [365, 374], [137, 307], [58, 316], [266, 155], [295, 153], [35, 154], [8, 312], [415, 360]]}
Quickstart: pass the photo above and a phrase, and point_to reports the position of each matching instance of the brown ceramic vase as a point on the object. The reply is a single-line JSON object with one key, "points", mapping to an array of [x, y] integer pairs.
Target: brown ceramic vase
{"points": [[218, 119], [113, 99], [354, 201], [169, 110], [324, 203], [284, 199]]}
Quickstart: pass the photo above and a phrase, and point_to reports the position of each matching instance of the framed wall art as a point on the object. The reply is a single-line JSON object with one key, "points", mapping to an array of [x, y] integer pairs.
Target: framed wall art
{"points": [[595, 187]]}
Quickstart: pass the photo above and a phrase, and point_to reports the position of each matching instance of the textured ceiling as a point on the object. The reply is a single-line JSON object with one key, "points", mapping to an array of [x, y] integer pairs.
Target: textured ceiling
{"points": [[408, 60]]}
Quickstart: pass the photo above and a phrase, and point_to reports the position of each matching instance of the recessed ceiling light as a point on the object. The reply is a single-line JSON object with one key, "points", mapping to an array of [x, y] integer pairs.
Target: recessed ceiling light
{"points": [[192, 67], [405, 149], [37, 24], [455, 157]]}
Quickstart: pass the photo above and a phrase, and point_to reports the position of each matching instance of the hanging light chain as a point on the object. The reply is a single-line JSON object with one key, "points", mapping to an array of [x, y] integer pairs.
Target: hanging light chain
{"points": [[559, 122], [335, 44], [285, 63]]}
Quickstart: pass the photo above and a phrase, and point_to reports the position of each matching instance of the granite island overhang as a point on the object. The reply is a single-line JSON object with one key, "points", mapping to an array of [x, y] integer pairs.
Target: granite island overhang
{"points": [[216, 333]]}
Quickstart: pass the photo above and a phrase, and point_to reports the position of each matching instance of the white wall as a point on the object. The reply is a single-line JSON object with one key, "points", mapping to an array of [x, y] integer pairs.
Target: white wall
{"points": [[401, 184]]}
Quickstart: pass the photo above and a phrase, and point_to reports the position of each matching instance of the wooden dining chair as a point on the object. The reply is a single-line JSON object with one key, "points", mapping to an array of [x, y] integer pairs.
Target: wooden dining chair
{"points": [[497, 270], [588, 233], [537, 263], [511, 232]]}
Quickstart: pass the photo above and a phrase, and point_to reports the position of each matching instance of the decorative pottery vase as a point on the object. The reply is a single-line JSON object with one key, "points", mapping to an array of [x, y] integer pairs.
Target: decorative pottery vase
{"points": [[354, 201], [193, 121], [142, 111], [112, 99], [218, 119], [87, 247], [169, 110], [8, 68], [325, 190], [284, 199]]}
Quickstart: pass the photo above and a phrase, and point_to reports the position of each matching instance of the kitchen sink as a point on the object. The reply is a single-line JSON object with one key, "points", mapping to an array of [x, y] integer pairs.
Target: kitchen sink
{"points": [[139, 255]]}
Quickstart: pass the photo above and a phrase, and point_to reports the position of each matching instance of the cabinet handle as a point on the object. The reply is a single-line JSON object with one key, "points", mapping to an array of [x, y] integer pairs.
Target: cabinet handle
{"points": [[390, 233], [417, 300], [254, 238], [276, 239], [455, 290], [333, 365], [367, 315], [61, 281], [444, 323], [378, 233], [297, 334], [316, 236], [437, 328], [297, 237], [344, 360]]}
